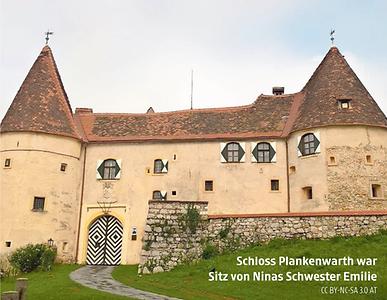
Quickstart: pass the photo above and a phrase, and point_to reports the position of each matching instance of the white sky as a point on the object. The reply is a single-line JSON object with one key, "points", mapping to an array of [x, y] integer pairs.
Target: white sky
{"points": [[124, 56]]}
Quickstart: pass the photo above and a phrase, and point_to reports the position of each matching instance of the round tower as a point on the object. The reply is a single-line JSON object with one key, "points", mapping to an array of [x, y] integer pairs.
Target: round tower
{"points": [[338, 143], [41, 164]]}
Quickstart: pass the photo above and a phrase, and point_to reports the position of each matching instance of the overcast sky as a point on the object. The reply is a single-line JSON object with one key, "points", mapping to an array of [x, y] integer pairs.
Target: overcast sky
{"points": [[124, 56]]}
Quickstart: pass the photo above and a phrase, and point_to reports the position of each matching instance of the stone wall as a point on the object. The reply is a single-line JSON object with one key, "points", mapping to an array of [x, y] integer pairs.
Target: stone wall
{"points": [[350, 177], [169, 242]]}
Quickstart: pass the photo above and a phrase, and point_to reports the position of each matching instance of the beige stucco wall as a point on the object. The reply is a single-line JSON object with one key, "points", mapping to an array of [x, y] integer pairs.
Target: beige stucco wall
{"points": [[239, 188], [349, 177], [35, 171]]}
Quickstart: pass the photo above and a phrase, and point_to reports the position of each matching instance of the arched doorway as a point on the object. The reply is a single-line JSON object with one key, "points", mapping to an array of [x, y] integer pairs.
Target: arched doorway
{"points": [[104, 243]]}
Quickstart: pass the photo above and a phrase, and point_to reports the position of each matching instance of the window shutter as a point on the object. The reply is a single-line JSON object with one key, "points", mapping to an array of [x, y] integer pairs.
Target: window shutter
{"points": [[163, 195], [223, 152], [118, 168], [298, 146], [254, 152], [273, 152], [165, 166], [241, 152], [99, 169], [317, 136]]}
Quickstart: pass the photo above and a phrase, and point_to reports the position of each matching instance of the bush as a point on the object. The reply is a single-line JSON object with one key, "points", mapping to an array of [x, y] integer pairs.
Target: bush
{"points": [[6, 269], [209, 251], [30, 257]]}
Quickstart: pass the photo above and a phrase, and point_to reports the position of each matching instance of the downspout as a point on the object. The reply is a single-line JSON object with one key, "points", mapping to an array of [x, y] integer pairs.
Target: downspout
{"points": [[287, 172], [81, 203]]}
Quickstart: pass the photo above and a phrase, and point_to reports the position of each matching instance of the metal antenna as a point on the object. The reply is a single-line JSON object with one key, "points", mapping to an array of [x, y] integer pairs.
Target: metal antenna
{"points": [[332, 36], [191, 88], [48, 33]]}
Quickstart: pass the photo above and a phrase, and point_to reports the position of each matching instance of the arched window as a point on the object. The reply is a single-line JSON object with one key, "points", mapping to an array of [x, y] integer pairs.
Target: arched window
{"points": [[263, 152], [232, 152], [308, 144], [109, 169], [158, 166], [157, 195]]}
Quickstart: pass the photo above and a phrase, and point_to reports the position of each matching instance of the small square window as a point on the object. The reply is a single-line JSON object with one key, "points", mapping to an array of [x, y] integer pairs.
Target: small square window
{"points": [[368, 159], [8, 244], [332, 161], [63, 167], [64, 246], [292, 169], [174, 193], [275, 185], [376, 191], [7, 162], [208, 185], [38, 204], [308, 192], [344, 103]]}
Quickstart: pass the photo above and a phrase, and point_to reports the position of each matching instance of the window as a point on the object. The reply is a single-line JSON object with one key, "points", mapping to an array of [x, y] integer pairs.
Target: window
{"points": [[109, 169], [232, 152], [308, 192], [368, 159], [208, 185], [332, 161], [38, 204], [7, 162], [159, 195], [344, 103], [64, 246], [8, 244], [275, 185], [63, 167], [174, 193], [160, 166], [308, 144], [292, 169], [263, 152], [376, 191]]}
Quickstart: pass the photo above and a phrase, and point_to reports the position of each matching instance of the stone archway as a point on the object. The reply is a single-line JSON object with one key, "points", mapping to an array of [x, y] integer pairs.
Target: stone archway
{"points": [[104, 244]]}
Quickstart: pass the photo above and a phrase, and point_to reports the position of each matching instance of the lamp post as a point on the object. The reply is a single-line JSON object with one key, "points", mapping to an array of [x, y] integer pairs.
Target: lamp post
{"points": [[50, 242]]}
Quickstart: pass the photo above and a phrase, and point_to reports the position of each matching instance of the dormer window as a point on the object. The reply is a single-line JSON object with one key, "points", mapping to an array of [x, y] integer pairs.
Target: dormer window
{"points": [[344, 103]]}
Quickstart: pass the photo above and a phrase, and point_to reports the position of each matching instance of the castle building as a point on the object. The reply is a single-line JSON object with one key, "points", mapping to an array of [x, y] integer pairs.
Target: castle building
{"points": [[83, 180]]}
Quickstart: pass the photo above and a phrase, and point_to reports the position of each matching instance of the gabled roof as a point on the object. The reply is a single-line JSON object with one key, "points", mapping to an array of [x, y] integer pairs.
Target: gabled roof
{"points": [[265, 118], [334, 80], [41, 104]]}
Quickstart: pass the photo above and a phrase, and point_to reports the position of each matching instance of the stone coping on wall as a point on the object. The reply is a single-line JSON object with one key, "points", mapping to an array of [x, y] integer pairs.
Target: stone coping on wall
{"points": [[179, 201], [304, 214]]}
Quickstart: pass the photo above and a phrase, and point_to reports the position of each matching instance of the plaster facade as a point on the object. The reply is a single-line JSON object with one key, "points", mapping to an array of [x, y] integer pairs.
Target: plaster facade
{"points": [[347, 170]]}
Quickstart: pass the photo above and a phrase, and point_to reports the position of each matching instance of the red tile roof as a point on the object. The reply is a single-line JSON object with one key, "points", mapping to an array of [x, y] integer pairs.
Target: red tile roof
{"points": [[334, 80], [266, 117], [41, 104]]}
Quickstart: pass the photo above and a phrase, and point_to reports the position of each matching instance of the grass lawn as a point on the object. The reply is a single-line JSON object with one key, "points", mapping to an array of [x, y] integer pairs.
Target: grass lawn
{"points": [[191, 281], [57, 285]]}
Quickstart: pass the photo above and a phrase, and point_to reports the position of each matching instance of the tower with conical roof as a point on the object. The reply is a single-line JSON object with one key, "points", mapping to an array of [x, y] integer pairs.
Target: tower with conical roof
{"points": [[337, 143], [41, 150]]}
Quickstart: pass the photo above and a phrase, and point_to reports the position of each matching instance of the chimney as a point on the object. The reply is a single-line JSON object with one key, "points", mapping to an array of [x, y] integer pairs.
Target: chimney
{"points": [[81, 110], [278, 90]]}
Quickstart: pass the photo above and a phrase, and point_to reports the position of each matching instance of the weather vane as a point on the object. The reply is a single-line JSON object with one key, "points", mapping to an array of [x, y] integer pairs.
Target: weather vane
{"points": [[332, 36], [48, 33]]}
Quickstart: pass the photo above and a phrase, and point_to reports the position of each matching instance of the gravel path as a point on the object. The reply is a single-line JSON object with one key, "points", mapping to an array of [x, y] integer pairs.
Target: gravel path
{"points": [[100, 278]]}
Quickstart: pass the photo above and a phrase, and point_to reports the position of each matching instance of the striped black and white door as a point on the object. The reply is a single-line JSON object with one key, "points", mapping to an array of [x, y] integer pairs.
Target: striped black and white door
{"points": [[105, 242]]}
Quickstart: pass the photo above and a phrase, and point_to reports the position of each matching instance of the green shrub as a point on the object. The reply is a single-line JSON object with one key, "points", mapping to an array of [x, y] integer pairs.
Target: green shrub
{"points": [[209, 251], [30, 257]]}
